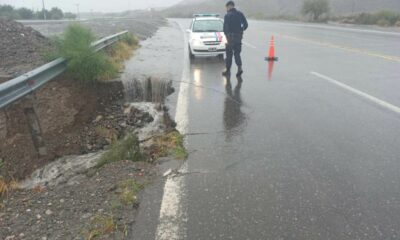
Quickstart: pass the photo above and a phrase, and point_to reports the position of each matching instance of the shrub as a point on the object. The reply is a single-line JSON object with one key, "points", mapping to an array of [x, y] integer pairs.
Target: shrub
{"points": [[382, 18], [390, 17], [8, 12], [130, 39], [171, 144], [315, 9], [383, 22], [69, 15], [129, 189], [25, 13], [101, 225], [125, 149], [84, 63]]}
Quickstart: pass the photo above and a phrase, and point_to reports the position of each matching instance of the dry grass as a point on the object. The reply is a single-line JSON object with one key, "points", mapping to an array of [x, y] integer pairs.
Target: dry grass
{"points": [[129, 189], [111, 135], [7, 186], [120, 52], [125, 149], [123, 50], [101, 225], [171, 144]]}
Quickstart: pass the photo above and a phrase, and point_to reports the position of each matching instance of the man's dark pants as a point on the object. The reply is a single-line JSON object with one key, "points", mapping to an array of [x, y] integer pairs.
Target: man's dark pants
{"points": [[234, 48]]}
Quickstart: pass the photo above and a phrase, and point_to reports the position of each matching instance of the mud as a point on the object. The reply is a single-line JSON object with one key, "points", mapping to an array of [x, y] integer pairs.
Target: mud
{"points": [[144, 119], [67, 114]]}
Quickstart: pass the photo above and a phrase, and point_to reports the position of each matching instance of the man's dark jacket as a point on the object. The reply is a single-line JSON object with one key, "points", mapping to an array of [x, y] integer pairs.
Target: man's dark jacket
{"points": [[235, 23]]}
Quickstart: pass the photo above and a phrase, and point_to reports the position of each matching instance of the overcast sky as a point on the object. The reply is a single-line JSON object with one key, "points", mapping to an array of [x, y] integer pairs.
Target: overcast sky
{"points": [[95, 5]]}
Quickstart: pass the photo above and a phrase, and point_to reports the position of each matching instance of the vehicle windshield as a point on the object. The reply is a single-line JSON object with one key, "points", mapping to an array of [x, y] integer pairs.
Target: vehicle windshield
{"points": [[208, 26]]}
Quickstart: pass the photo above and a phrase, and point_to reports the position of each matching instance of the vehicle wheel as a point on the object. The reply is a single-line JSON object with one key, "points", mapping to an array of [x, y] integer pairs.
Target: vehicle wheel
{"points": [[221, 57], [191, 55]]}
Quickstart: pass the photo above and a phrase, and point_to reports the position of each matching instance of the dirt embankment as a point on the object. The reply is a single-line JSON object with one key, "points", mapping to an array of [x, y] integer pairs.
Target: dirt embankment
{"points": [[21, 49], [73, 120], [93, 203]]}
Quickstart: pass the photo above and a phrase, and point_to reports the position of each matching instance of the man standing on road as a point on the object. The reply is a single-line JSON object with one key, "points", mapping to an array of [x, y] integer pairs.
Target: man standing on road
{"points": [[235, 24]]}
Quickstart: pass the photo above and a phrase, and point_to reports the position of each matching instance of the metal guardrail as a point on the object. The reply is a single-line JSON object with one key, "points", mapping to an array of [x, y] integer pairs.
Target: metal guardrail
{"points": [[25, 84]]}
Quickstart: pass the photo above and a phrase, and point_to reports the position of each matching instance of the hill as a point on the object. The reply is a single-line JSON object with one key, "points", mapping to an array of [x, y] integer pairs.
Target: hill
{"points": [[272, 8]]}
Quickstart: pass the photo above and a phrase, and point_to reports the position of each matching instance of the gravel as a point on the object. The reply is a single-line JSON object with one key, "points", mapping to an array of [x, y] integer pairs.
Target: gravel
{"points": [[70, 211], [21, 48]]}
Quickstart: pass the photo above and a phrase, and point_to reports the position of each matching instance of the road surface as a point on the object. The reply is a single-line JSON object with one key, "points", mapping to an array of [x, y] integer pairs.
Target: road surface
{"points": [[310, 152]]}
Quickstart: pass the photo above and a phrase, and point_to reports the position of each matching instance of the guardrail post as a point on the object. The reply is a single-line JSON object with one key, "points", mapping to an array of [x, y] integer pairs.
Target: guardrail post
{"points": [[3, 124], [34, 126]]}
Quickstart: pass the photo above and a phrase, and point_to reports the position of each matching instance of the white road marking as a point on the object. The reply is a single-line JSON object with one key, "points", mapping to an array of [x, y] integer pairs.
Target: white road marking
{"points": [[373, 99], [348, 29], [249, 45], [172, 219]]}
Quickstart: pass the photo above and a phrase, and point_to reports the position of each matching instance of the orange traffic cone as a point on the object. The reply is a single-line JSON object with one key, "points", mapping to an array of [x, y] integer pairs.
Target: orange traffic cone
{"points": [[270, 69], [271, 54]]}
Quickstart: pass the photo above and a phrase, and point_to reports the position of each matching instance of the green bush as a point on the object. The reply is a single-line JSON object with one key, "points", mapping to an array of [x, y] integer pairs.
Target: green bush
{"points": [[25, 13], [130, 39], [382, 18], [366, 18], [383, 22], [316, 9], [84, 63], [9, 12], [389, 16], [125, 149]]}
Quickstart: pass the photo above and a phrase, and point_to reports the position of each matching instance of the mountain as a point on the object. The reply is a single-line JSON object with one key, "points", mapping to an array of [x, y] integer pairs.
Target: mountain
{"points": [[279, 7]]}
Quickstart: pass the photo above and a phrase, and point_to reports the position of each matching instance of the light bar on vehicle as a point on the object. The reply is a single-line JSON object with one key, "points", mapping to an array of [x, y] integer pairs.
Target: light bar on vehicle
{"points": [[206, 15]]}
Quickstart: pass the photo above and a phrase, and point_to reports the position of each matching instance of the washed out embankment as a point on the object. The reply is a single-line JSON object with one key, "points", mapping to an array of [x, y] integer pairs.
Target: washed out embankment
{"points": [[112, 147], [73, 119]]}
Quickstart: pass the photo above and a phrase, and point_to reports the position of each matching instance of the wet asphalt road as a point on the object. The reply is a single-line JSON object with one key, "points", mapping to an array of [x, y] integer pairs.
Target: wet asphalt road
{"points": [[295, 156]]}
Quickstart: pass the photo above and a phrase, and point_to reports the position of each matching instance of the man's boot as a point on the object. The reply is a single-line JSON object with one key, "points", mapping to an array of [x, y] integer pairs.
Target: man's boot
{"points": [[240, 71], [226, 73]]}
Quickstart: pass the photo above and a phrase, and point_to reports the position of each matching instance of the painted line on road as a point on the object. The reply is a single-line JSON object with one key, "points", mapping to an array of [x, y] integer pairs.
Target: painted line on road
{"points": [[249, 45], [346, 48], [172, 219], [348, 29], [373, 99]]}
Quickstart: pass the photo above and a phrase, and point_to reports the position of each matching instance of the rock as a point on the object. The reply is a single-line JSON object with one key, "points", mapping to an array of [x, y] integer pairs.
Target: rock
{"points": [[49, 212], [62, 200], [86, 216], [98, 118], [61, 171]]}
